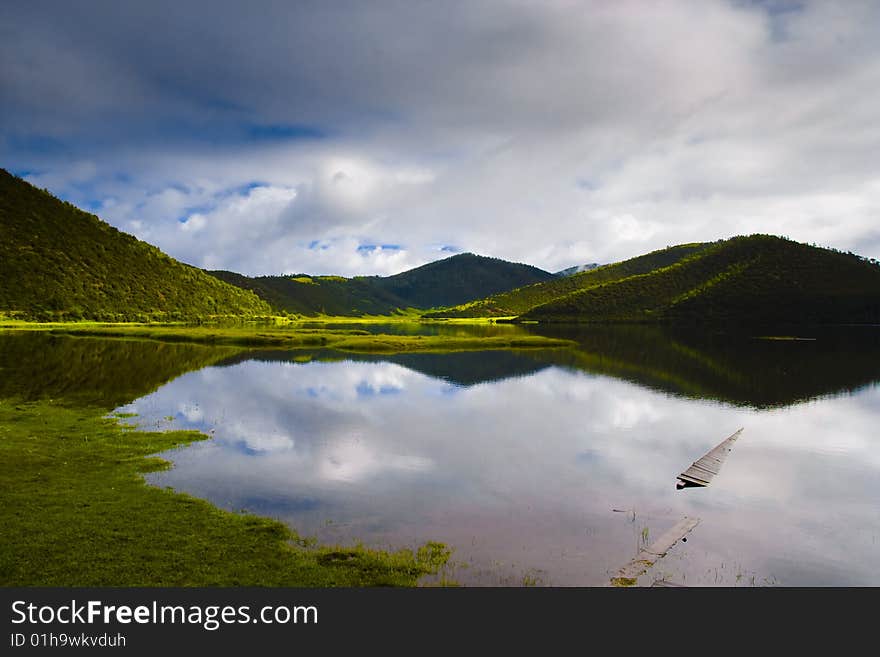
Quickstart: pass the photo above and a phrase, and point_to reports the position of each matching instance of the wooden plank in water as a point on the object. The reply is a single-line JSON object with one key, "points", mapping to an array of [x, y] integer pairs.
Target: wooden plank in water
{"points": [[703, 470], [647, 557], [672, 536]]}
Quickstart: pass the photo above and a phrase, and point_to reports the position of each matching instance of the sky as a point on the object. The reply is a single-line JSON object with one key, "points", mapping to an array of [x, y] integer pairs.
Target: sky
{"points": [[337, 137]]}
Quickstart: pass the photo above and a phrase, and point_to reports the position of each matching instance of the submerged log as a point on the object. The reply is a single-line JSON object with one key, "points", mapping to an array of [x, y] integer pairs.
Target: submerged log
{"points": [[704, 469]]}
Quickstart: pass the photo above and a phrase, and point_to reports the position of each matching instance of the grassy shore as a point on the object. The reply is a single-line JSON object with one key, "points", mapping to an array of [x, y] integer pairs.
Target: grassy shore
{"points": [[293, 337], [77, 512]]}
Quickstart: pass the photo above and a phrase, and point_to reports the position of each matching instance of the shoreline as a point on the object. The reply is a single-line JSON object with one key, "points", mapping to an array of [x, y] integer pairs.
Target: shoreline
{"points": [[78, 512], [295, 337]]}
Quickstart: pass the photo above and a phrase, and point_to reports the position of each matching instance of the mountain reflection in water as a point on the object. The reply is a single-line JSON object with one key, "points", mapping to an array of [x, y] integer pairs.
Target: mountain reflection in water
{"points": [[517, 459]]}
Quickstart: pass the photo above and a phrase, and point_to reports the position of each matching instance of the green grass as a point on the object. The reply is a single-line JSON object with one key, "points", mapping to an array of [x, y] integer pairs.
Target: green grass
{"points": [[623, 582], [352, 340], [77, 512]]}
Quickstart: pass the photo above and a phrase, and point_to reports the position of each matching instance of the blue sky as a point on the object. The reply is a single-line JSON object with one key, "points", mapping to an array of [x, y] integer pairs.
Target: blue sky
{"points": [[240, 135]]}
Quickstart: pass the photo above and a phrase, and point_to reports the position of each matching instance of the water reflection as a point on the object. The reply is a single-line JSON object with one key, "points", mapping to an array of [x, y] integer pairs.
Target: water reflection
{"points": [[517, 459], [737, 367], [459, 368], [521, 475], [94, 371]]}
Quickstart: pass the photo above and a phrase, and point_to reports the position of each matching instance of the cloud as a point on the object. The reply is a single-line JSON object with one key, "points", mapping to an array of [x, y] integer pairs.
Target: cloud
{"points": [[330, 223], [553, 133]]}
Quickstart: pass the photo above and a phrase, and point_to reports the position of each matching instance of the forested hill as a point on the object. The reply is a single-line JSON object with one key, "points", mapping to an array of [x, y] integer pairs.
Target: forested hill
{"points": [[521, 300], [458, 279], [318, 295], [444, 282], [58, 262], [754, 279]]}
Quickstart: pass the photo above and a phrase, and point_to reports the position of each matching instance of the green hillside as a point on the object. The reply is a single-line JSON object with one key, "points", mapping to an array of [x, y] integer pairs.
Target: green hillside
{"points": [[58, 262], [523, 299], [313, 295], [755, 279], [445, 282], [461, 278]]}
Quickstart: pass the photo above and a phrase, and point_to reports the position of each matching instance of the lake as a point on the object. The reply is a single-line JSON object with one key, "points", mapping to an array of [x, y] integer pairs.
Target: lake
{"points": [[545, 467]]}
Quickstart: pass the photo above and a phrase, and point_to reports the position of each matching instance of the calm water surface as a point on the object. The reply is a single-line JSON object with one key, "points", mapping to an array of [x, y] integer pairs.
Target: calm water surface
{"points": [[554, 467]]}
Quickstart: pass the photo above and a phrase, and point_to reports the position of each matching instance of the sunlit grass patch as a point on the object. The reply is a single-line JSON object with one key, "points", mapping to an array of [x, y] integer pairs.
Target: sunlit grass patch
{"points": [[77, 512]]}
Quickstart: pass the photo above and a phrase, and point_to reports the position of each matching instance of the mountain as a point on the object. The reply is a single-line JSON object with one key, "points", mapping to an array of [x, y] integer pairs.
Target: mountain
{"points": [[577, 269], [312, 295], [458, 279], [743, 280], [521, 300], [58, 262], [450, 281]]}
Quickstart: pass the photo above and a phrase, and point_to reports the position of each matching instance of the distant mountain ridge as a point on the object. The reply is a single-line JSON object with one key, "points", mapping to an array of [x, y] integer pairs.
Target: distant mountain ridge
{"points": [[313, 295], [458, 279], [450, 281], [58, 262]]}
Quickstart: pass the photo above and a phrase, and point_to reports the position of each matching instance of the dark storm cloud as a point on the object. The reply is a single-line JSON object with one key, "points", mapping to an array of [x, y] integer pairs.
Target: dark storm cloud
{"points": [[220, 64]]}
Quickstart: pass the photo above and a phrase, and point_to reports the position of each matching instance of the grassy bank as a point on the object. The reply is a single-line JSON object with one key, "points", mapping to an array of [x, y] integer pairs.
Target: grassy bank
{"points": [[77, 512], [293, 337], [402, 318]]}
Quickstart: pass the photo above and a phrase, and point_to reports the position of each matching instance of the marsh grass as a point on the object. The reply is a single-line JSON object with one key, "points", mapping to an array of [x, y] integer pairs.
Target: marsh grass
{"points": [[353, 340], [77, 512]]}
